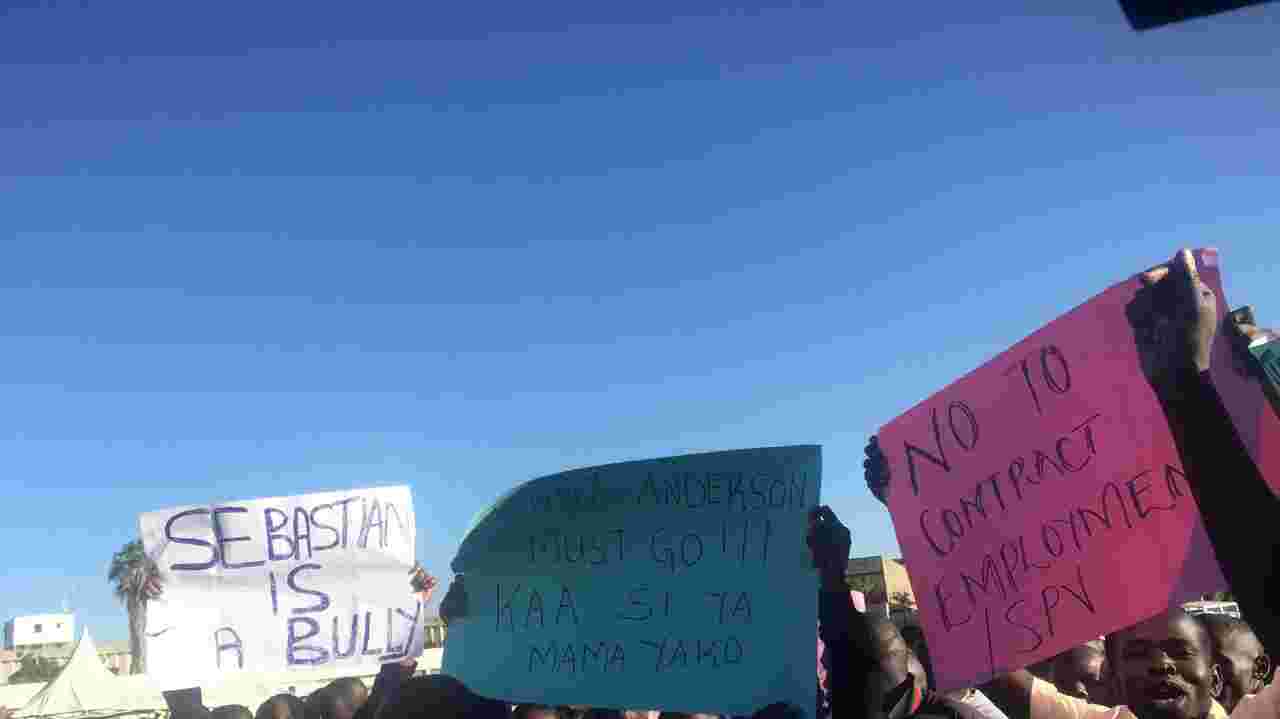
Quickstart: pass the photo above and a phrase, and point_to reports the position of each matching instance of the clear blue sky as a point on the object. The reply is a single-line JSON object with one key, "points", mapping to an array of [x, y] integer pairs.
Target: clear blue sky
{"points": [[270, 248]]}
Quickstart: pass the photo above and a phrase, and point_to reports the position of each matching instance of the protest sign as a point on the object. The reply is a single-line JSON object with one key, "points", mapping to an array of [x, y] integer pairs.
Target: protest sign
{"points": [[683, 583], [282, 583], [1040, 500]]}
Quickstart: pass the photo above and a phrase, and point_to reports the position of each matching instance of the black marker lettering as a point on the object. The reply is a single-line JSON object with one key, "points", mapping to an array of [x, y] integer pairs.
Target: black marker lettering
{"points": [[939, 459], [319, 655], [168, 533], [351, 646], [1008, 617], [315, 522], [223, 541], [231, 642], [322, 598], [273, 537], [301, 518]]}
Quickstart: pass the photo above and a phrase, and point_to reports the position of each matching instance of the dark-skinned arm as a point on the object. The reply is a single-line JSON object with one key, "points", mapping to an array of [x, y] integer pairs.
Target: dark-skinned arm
{"points": [[1238, 508], [843, 629], [392, 675]]}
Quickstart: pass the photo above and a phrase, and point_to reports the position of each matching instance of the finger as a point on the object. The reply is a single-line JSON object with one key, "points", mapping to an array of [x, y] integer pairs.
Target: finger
{"points": [[1186, 260], [1155, 274], [1189, 285]]}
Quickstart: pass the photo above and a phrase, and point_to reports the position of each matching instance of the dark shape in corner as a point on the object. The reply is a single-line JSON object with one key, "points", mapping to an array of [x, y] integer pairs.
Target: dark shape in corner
{"points": [[1149, 14]]}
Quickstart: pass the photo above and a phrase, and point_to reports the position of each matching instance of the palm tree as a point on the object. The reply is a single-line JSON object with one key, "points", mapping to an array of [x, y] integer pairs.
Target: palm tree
{"points": [[130, 570]]}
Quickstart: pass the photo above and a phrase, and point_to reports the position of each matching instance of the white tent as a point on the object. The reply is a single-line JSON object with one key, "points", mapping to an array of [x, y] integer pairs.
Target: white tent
{"points": [[85, 684], [85, 689]]}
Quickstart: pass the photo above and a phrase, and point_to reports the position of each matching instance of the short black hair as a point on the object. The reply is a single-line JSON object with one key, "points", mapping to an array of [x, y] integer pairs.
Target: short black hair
{"points": [[1222, 628], [1110, 642], [232, 711], [440, 696], [912, 634], [346, 687], [295, 706], [324, 702]]}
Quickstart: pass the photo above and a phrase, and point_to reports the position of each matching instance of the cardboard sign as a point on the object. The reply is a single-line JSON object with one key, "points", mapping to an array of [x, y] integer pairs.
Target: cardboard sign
{"points": [[1040, 500], [282, 583], [681, 583]]}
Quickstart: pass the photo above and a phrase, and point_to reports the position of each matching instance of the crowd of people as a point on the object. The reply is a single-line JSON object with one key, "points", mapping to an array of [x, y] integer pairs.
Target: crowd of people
{"points": [[1171, 666]]}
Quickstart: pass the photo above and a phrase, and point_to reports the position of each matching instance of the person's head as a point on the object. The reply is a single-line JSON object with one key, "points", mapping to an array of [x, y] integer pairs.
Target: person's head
{"points": [[1079, 672], [281, 706], [342, 698], [893, 663], [231, 711], [440, 696], [1163, 667], [914, 637], [1243, 662]]}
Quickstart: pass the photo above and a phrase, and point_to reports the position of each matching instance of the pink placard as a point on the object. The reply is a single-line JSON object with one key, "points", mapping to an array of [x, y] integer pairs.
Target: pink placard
{"points": [[1040, 501]]}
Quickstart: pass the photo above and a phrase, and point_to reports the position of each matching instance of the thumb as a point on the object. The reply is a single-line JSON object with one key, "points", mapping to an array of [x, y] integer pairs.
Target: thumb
{"points": [[1188, 275]]}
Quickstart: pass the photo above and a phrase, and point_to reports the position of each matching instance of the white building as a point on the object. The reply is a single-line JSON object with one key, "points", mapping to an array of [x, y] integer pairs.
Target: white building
{"points": [[37, 630]]}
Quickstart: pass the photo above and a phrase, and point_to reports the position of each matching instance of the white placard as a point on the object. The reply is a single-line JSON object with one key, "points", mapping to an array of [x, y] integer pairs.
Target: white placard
{"points": [[282, 583]]}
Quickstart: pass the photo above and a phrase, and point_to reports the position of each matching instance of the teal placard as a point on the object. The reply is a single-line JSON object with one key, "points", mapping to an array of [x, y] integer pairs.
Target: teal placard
{"points": [[681, 584]]}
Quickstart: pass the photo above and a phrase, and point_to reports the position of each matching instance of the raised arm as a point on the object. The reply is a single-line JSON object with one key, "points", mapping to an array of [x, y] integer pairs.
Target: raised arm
{"points": [[1238, 508], [842, 627]]}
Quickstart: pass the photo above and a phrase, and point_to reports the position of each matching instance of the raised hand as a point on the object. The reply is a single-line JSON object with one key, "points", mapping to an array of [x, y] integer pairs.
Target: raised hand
{"points": [[1246, 331], [424, 585], [1175, 318], [876, 469], [829, 542]]}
